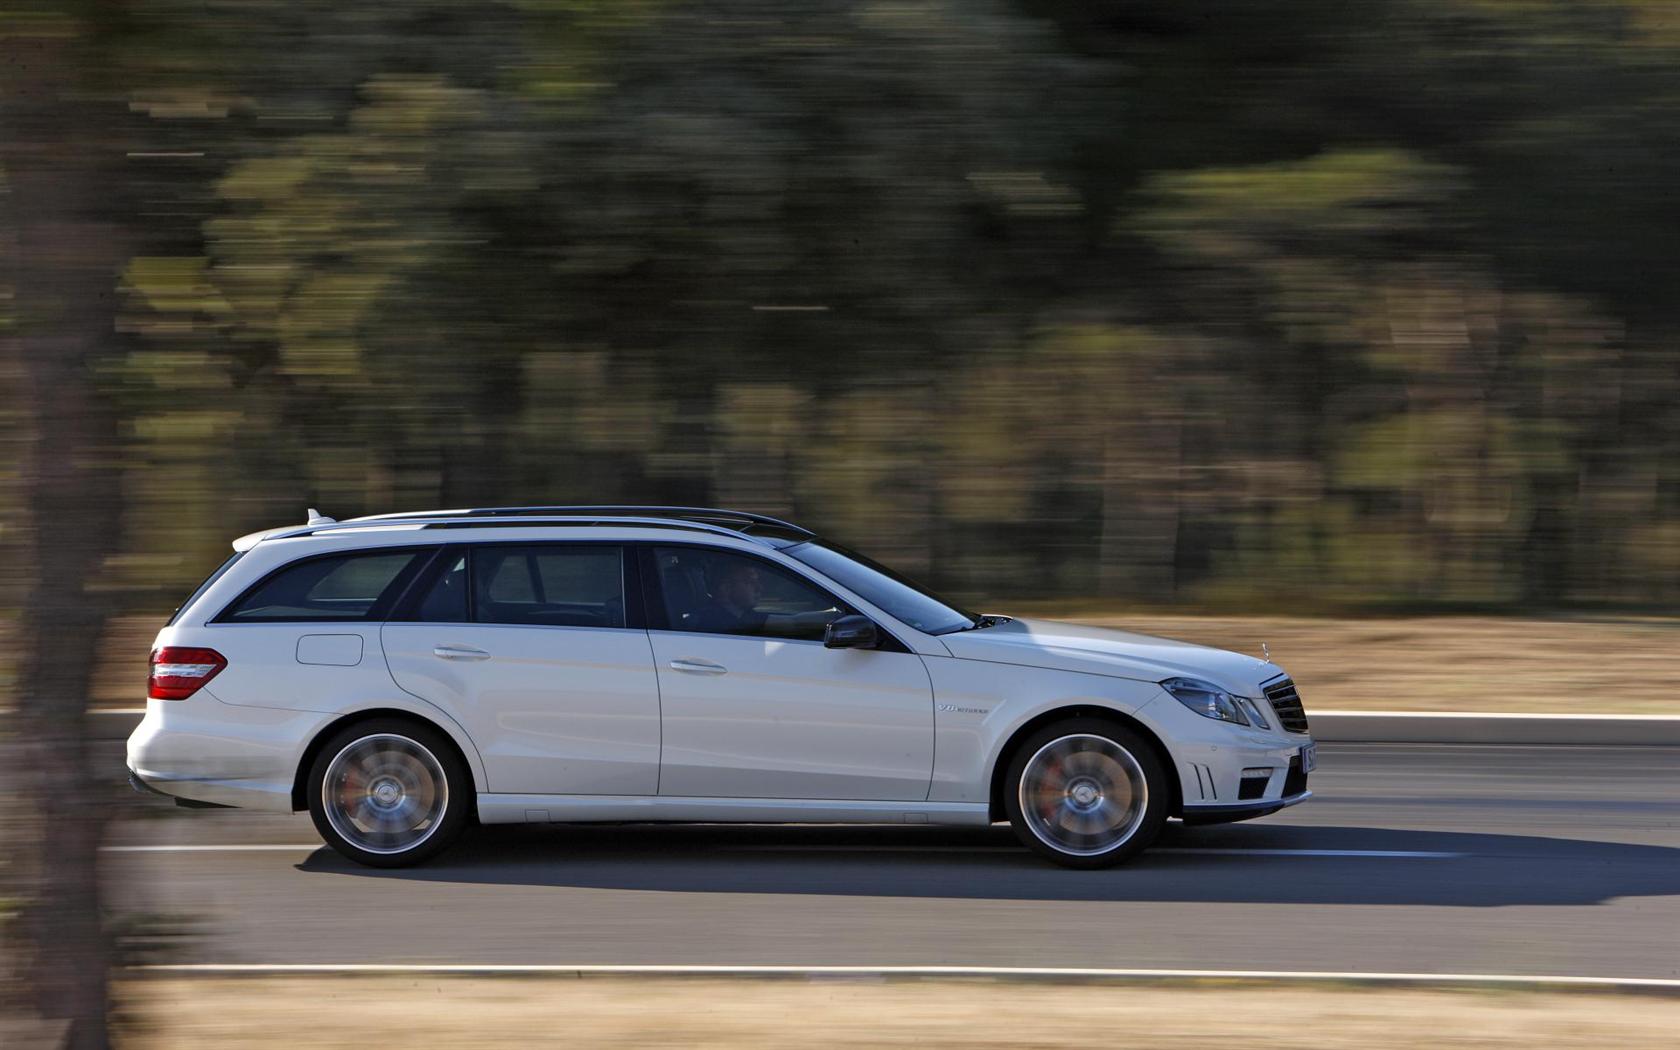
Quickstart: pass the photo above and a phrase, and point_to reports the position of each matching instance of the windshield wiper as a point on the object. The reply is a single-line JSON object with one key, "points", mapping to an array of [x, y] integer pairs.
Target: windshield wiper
{"points": [[984, 621]]}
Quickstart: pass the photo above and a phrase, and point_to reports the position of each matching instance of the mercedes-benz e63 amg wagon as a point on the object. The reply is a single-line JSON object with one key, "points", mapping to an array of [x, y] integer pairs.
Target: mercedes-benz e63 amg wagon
{"points": [[400, 675]]}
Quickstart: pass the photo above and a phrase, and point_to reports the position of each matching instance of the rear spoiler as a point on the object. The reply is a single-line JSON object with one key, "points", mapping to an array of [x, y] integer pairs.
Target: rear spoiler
{"points": [[251, 539]]}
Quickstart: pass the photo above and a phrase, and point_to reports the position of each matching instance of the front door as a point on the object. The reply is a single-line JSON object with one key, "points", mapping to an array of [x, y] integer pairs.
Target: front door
{"points": [[526, 645], [756, 707]]}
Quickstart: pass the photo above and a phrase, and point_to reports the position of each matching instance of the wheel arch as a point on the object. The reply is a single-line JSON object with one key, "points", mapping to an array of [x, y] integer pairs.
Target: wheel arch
{"points": [[1006, 754], [300, 785]]}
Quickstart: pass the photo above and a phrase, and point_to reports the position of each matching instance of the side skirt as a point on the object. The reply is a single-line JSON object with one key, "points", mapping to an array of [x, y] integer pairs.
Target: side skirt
{"points": [[586, 809]]}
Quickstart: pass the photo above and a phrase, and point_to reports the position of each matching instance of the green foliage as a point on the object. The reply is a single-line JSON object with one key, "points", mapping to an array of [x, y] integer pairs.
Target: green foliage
{"points": [[1167, 301]]}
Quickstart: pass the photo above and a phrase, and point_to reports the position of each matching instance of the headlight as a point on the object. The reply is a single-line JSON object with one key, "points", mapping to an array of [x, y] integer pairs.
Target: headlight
{"points": [[1210, 701]]}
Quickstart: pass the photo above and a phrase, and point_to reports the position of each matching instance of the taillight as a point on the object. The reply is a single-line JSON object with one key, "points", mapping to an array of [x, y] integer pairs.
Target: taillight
{"points": [[178, 671]]}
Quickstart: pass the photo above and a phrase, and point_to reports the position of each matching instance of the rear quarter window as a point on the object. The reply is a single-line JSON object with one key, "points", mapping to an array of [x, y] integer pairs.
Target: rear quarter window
{"points": [[357, 586], [221, 571]]}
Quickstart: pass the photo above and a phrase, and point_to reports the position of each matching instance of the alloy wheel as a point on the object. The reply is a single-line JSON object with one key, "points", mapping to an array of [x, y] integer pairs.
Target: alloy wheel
{"points": [[385, 793], [1083, 794]]}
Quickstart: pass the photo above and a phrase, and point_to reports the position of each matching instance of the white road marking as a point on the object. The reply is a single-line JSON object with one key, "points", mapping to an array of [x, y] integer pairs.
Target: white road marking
{"points": [[1549, 716], [1098, 973], [1013, 849], [1238, 851], [214, 848], [860, 848]]}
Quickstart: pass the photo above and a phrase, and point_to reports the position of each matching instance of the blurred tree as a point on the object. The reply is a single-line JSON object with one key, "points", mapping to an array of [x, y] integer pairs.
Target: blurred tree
{"points": [[61, 151], [1154, 300], [834, 260]]}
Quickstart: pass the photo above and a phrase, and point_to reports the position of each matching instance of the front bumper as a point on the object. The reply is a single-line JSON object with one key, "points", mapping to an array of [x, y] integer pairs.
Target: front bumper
{"points": [[1218, 791], [1225, 813], [1211, 757]]}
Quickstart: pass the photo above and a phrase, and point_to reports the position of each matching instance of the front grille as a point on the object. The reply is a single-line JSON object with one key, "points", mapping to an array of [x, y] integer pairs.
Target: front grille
{"points": [[1287, 703]]}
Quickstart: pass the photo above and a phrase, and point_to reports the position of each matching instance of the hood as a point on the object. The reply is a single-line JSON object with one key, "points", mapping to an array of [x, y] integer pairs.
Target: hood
{"points": [[1120, 654]]}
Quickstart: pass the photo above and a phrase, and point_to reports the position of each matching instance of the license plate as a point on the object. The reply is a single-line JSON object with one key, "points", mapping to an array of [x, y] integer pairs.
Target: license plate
{"points": [[1309, 758]]}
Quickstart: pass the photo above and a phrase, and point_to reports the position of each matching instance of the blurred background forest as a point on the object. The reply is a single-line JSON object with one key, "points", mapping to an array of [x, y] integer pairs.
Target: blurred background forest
{"points": [[1271, 307], [1278, 305]]}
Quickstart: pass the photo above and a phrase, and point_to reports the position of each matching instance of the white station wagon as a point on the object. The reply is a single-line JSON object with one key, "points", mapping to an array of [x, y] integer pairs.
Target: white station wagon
{"points": [[401, 675]]}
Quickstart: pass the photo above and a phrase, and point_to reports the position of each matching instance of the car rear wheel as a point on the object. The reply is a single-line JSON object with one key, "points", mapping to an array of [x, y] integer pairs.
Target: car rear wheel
{"points": [[1086, 793], [389, 793]]}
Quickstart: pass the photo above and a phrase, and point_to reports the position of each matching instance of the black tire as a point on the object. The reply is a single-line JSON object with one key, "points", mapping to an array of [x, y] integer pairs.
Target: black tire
{"points": [[1106, 760], [382, 758]]}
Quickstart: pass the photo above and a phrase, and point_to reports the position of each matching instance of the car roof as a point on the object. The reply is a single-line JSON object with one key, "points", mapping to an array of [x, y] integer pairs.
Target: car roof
{"points": [[772, 532]]}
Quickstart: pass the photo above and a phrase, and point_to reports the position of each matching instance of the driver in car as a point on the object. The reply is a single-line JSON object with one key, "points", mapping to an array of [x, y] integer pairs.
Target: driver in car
{"points": [[736, 591]]}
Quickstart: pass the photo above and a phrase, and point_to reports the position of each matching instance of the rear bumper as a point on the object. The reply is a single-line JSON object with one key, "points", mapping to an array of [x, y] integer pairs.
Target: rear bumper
{"points": [[203, 750], [142, 787], [213, 794]]}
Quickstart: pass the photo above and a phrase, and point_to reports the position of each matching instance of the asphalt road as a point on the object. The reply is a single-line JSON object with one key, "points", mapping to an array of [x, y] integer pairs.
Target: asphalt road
{"points": [[1429, 859]]}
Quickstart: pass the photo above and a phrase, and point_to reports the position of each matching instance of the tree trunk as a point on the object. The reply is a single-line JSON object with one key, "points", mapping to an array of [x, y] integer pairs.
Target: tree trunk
{"points": [[56, 152]]}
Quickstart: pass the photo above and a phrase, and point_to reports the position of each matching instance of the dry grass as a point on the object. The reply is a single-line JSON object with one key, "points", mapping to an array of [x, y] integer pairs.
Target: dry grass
{"points": [[1598, 666], [327, 1013]]}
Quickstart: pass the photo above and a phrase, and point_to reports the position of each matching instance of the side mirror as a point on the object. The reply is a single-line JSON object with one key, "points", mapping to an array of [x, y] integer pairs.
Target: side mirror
{"points": [[850, 632]]}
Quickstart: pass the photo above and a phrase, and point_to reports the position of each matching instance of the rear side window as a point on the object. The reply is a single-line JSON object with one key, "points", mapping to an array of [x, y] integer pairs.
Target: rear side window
{"points": [[550, 585], [446, 600], [535, 585], [359, 586]]}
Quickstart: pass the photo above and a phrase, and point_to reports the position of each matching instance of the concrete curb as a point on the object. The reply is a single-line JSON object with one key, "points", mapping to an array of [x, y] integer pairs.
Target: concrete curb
{"points": [[1365, 727], [1485, 727]]}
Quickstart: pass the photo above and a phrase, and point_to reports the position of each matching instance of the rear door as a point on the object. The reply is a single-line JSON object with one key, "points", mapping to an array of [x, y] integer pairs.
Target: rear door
{"points": [[534, 648]]}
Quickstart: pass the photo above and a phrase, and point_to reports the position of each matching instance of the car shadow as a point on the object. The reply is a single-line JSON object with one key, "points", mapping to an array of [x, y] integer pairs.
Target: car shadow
{"points": [[1187, 865]]}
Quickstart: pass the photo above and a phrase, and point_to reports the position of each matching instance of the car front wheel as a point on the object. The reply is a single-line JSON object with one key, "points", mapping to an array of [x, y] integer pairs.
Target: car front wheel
{"points": [[389, 793], [1086, 793]]}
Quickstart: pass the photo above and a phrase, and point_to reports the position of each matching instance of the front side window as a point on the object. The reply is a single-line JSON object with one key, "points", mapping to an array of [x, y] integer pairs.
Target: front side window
{"points": [[721, 592], [358, 586], [875, 583], [547, 585]]}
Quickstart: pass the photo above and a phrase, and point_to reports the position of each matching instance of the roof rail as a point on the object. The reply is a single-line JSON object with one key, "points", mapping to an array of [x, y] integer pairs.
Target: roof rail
{"points": [[458, 519], [734, 520]]}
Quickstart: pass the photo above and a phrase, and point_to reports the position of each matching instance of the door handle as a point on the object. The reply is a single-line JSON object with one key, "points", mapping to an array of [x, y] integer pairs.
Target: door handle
{"points": [[698, 667], [460, 652]]}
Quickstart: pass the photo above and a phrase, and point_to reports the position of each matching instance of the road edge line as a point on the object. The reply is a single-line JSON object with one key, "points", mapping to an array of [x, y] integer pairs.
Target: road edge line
{"points": [[1671, 985]]}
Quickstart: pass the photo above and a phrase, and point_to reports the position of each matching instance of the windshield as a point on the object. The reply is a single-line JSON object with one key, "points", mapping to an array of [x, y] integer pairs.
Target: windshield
{"points": [[882, 587]]}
